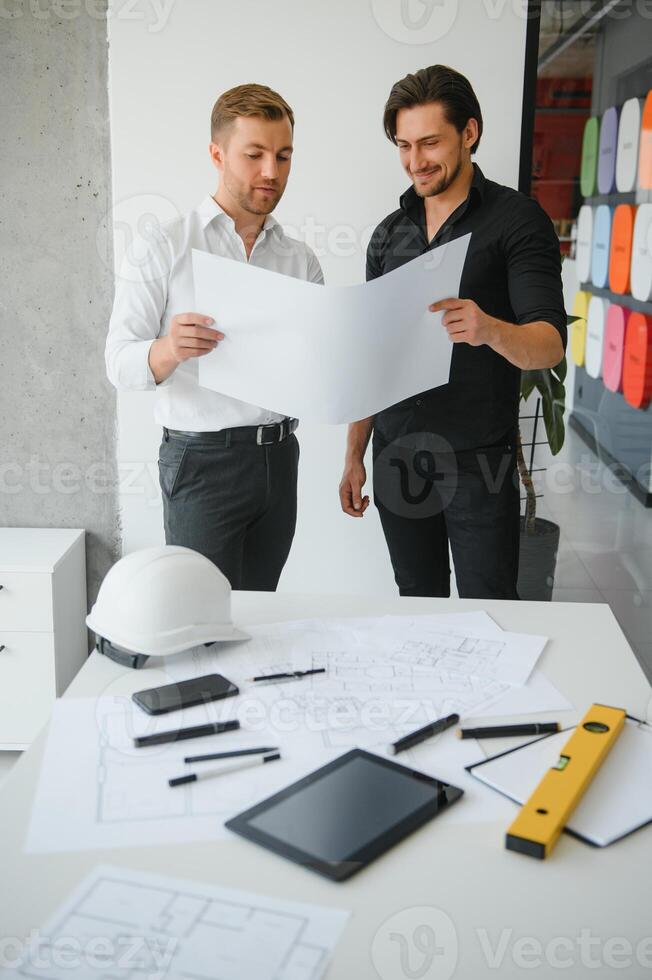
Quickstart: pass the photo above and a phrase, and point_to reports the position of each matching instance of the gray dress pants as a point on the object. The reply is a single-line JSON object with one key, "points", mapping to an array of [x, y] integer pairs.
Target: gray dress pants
{"points": [[233, 501]]}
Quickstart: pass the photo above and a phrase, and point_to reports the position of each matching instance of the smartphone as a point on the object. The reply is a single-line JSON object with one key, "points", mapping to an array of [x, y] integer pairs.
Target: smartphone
{"points": [[196, 690]]}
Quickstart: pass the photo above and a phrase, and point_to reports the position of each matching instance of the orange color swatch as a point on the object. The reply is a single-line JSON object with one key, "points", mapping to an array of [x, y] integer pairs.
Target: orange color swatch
{"points": [[637, 365], [620, 254]]}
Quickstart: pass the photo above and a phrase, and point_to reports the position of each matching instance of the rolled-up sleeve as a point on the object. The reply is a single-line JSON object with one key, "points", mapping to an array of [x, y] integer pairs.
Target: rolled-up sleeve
{"points": [[534, 267], [140, 300]]}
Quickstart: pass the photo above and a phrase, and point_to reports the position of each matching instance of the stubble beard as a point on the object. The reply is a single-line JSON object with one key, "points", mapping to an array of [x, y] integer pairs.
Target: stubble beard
{"points": [[443, 184]]}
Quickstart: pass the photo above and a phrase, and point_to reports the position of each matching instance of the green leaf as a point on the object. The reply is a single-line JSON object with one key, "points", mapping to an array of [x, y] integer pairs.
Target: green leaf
{"points": [[549, 383]]}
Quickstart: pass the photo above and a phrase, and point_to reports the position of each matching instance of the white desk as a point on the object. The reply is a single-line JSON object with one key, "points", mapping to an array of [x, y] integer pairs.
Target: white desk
{"points": [[585, 898]]}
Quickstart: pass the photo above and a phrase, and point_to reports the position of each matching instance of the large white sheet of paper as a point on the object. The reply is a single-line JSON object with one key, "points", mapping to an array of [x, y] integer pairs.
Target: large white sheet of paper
{"points": [[328, 354], [126, 924]]}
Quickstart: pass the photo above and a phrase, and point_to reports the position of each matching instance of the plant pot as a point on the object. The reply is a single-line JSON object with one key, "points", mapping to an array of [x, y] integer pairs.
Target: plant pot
{"points": [[537, 560]]}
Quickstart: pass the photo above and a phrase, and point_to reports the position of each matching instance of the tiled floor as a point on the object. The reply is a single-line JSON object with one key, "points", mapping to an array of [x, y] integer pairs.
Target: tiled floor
{"points": [[605, 552]]}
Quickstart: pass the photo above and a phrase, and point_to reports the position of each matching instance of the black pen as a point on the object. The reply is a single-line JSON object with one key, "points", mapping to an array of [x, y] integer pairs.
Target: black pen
{"points": [[193, 777], [289, 675], [175, 736], [500, 731], [230, 755], [434, 728]]}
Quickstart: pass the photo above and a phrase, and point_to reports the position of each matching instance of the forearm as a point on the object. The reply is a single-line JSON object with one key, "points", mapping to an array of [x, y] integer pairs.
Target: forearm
{"points": [[357, 439], [162, 361], [529, 346]]}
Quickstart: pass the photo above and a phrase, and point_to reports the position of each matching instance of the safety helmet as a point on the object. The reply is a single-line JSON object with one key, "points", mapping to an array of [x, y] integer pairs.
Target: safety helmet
{"points": [[159, 601]]}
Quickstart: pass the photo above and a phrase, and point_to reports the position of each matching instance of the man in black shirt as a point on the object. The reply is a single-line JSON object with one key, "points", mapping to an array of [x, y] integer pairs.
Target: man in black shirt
{"points": [[444, 460]]}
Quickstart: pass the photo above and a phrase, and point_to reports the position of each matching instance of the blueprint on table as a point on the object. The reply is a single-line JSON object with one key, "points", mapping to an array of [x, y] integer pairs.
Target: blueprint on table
{"points": [[152, 925]]}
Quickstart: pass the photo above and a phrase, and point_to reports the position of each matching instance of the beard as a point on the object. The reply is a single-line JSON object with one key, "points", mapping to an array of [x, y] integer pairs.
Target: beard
{"points": [[247, 198], [442, 184]]}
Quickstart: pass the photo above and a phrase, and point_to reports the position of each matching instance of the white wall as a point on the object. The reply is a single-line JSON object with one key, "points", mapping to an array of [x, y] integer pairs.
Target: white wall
{"points": [[335, 63]]}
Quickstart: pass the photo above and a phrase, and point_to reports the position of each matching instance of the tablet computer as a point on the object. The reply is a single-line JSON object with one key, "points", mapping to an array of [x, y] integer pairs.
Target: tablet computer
{"points": [[339, 818]]}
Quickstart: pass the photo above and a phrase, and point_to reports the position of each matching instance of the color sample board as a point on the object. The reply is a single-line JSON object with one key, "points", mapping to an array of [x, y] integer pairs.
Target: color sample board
{"points": [[584, 242], [629, 129], [589, 166], [641, 272], [637, 365], [645, 146], [601, 243], [595, 324], [578, 327], [614, 346], [620, 250], [607, 151]]}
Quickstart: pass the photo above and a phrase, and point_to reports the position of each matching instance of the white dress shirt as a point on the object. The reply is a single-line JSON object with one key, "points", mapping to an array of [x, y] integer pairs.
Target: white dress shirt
{"points": [[155, 283]]}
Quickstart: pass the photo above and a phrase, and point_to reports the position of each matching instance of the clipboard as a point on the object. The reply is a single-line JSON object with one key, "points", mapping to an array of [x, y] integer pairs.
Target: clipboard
{"points": [[617, 803]]}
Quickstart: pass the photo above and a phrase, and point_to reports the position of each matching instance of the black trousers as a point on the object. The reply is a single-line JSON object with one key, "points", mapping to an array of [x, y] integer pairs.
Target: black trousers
{"points": [[234, 503], [428, 498]]}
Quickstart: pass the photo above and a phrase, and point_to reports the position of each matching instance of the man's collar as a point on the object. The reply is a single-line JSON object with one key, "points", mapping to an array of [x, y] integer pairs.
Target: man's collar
{"points": [[410, 198], [209, 210]]}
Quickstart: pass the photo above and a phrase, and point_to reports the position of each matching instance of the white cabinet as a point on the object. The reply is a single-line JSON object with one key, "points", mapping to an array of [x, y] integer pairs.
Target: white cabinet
{"points": [[43, 636]]}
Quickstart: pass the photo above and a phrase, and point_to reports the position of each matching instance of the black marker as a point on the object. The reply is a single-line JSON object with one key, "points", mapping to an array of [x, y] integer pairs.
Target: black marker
{"points": [[193, 777], [503, 731], [175, 736], [289, 675], [230, 755], [423, 733]]}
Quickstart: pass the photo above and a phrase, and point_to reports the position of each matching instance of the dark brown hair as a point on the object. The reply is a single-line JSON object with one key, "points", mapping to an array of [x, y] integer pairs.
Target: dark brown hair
{"points": [[435, 84], [248, 100]]}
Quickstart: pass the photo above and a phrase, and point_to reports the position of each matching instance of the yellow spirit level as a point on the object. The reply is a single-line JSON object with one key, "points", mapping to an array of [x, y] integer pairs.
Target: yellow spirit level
{"points": [[543, 817]]}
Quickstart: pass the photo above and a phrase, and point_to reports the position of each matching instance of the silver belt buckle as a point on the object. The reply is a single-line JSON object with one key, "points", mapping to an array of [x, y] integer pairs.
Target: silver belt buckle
{"points": [[283, 432]]}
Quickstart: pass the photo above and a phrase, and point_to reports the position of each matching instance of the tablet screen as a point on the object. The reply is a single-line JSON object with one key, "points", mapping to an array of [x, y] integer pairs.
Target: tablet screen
{"points": [[348, 811]]}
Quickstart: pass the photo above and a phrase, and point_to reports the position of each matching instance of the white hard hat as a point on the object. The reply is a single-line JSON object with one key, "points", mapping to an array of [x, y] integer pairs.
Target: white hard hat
{"points": [[159, 601]]}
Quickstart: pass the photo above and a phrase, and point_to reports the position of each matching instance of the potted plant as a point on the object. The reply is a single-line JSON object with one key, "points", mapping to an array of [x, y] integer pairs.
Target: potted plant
{"points": [[539, 537]]}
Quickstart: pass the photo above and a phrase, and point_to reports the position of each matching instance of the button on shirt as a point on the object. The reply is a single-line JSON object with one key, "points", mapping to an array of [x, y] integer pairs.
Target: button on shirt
{"points": [[155, 283], [512, 271]]}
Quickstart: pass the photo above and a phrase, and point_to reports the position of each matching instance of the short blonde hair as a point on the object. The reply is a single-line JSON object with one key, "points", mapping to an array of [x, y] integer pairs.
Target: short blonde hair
{"points": [[248, 100]]}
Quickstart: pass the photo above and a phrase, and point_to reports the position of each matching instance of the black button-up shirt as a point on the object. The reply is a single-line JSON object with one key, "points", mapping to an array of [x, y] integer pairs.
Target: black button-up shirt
{"points": [[512, 271]]}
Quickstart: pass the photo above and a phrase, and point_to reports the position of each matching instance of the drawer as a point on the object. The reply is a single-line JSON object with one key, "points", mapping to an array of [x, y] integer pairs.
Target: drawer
{"points": [[27, 684], [26, 601]]}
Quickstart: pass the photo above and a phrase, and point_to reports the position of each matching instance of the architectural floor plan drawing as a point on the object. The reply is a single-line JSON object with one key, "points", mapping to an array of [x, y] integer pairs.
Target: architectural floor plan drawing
{"points": [[129, 925], [381, 680]]}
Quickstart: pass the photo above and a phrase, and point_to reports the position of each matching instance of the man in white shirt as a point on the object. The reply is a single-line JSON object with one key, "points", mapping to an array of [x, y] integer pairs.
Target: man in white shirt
{"points": [[228, 470]]}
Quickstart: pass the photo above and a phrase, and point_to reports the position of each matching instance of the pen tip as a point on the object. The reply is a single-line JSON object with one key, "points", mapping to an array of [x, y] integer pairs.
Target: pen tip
{"points": [[458, 733]]}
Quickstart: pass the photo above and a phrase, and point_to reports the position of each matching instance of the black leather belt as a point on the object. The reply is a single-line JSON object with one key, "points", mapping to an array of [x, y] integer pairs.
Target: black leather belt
{"points": [[262, 435]]}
